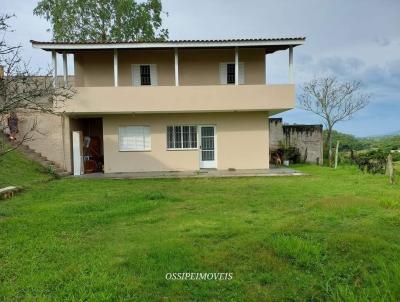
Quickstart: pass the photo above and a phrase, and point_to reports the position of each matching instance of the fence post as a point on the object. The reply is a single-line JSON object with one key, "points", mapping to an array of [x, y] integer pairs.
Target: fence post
{"points": [[337, 153], [390, 168]]}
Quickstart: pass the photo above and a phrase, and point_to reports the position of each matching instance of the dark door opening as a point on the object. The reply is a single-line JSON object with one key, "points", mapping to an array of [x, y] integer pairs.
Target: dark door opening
{"points": [[92, 143]]}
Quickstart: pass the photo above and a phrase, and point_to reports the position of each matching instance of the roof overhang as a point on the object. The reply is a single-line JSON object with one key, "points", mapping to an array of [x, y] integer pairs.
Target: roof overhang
{"points": [[270, 44]]}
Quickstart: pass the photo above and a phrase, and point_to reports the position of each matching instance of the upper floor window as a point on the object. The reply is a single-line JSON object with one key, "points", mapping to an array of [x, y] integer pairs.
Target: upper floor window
{"points": [[227, 73], [144, 75], [145, 78], [230, 73]]}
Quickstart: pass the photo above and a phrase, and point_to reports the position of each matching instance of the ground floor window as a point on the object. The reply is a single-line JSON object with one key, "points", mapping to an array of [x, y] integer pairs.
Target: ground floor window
{"points": [[134, 138], [182, 137]]}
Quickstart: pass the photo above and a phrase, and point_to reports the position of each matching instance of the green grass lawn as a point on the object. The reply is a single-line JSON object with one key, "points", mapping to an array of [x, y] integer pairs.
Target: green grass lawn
{"points": [[333, 235], [16, 170]]}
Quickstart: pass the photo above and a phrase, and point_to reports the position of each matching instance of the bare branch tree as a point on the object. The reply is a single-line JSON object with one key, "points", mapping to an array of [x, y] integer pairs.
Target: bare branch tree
{"points": [[4, 28], [333, 102], [23, 89]]}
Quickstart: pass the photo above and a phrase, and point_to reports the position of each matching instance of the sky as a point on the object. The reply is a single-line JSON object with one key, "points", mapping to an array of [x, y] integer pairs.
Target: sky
{"points": [[351, 40]]}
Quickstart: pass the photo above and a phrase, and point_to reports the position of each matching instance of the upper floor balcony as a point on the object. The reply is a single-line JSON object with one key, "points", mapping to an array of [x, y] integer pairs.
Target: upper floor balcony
{"points": [[175, 76]]}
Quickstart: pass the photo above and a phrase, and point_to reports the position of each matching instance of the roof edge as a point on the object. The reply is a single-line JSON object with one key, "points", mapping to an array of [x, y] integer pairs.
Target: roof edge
{"points": [[170, 44]]}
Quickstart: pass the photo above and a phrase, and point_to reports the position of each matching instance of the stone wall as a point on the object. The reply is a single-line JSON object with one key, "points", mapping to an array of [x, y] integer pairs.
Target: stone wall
{"points": [[307, 138]]}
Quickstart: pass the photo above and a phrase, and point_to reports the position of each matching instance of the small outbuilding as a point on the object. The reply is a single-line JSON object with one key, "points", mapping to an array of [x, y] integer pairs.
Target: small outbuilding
{"points": [[307, 139]]}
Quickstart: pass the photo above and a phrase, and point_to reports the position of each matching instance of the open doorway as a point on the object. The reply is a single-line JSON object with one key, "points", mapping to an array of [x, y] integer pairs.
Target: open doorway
{"points": [[88, 153]]}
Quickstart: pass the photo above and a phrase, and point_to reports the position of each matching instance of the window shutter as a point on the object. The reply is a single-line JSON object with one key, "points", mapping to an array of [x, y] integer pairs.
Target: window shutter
{"points": [[134, 138], [147, 138], [241, 73], [223, 73], [136, 75], [153, 74]]}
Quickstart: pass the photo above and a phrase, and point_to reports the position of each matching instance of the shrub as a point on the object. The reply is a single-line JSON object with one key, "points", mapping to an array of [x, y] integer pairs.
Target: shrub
{"points": [[292, 154], [372, 161], [395, 156]]}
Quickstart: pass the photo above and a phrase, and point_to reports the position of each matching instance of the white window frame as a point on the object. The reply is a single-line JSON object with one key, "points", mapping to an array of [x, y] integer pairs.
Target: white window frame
{"points": [[146, 142], [153, 74], [182, 148], [223, 73]]}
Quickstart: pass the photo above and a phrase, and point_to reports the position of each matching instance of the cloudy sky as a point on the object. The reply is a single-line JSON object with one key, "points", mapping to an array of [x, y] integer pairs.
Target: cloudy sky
{"points": [[353, 40]]}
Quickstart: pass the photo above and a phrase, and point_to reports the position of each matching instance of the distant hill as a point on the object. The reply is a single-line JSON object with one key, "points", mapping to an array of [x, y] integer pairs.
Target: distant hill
{"points": [[350, 142], [395, 133]]}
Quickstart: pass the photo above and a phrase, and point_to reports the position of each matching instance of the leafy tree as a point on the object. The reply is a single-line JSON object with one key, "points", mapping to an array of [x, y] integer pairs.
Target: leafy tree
{"points": [[333, 101], [103, 20]]}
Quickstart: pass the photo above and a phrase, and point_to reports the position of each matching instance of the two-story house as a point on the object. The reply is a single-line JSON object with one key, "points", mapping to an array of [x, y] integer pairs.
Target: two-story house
{"points": [[170, 106]]}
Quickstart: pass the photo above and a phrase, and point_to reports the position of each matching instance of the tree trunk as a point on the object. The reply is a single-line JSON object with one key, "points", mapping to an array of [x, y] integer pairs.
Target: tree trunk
{"points": [[329, 141]]}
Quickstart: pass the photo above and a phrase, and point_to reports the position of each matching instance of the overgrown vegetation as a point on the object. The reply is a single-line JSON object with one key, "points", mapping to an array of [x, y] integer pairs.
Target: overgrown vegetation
{"points": [[374, 161], [369, 154], [333, 235], [350, 142]]}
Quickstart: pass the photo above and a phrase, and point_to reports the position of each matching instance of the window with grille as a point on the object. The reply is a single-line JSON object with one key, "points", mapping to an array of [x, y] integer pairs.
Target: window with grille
{"points": [[230, 76], [145, 76], [134, 138], [182, 137]]}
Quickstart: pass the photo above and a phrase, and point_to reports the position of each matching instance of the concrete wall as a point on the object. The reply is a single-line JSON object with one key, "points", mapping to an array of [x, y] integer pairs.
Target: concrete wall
{"points": [[242, 142], [303, 137], [47, 137], [151, 99], [196, 66]]}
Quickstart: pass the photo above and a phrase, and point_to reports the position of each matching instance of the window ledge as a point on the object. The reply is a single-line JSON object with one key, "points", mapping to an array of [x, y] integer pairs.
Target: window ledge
{"points": [[182, 149], [128, 150]]}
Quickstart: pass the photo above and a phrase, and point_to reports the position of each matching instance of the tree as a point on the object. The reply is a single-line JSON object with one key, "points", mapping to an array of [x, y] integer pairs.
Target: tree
{"points": [[103, 20], [333, 101], [22, 89]]}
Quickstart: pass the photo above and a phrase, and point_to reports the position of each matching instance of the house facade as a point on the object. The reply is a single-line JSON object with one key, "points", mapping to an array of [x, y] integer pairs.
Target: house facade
{"points": [[168, 106]]}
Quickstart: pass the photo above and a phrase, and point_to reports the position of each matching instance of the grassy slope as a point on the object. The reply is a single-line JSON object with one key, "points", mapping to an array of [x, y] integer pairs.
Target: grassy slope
{"points": [[332, 235], [15, 170]]}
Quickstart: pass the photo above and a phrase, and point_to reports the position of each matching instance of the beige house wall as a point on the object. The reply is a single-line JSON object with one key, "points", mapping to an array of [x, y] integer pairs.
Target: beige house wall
{"points": [[163, 58], [201, 67], [49, 137], [94, 69], [196, 66], [171, 99], [242, 142]]}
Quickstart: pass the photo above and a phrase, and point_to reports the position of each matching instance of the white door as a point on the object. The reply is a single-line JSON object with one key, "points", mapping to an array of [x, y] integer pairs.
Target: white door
{"points": [[77, 152], [208, 147]]}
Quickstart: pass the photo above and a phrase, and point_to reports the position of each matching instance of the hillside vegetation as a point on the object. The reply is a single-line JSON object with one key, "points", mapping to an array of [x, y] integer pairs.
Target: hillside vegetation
{"points": [[350, 142]]}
